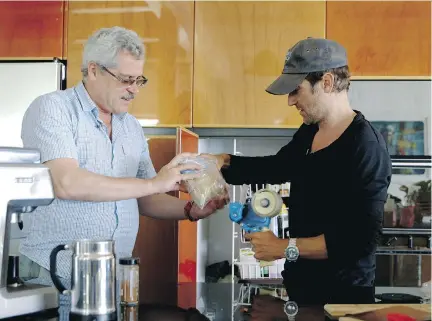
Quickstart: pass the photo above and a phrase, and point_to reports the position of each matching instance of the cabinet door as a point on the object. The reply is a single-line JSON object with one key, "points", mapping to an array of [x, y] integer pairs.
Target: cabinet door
{"points": [[236, 60], [187, 142], [168, 248], [167, 31], [31, 29], [383, 38], [157, 244]]}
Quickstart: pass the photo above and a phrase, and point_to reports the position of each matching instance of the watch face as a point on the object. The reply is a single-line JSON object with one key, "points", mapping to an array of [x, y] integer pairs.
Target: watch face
{"points": [[292, 253], [291, 308]]}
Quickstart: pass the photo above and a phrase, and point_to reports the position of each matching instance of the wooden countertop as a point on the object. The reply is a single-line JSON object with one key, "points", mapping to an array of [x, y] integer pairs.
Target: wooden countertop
{"points": [[345, 312]]}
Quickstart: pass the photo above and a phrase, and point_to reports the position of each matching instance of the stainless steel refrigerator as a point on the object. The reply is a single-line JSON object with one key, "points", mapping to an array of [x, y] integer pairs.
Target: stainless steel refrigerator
{"points": [[20, 83]]}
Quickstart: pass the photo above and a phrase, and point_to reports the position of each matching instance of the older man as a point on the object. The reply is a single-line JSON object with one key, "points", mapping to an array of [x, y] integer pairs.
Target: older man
{"points": [[99, 159], [339, 169]]}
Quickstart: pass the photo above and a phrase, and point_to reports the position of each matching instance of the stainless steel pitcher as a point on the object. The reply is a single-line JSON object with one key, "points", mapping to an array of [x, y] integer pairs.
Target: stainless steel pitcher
{"points": [[93, 279]]}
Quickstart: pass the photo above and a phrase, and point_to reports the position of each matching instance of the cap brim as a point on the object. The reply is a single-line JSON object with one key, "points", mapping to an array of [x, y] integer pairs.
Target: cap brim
{"points": [[285, 84]]}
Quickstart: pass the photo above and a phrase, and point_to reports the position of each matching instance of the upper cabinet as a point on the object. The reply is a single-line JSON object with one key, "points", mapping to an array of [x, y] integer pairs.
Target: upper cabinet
{"points": [[31, 29], [383, 38], [240, 49], [166, 28]]}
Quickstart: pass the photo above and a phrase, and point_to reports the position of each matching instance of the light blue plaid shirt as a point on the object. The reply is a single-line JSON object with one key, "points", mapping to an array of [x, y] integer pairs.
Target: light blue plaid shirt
{"points": [[65, 124]]}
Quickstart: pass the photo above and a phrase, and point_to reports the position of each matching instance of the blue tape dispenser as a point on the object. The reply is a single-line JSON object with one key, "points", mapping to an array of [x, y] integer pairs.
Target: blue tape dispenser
{"points": [[255, 215]]}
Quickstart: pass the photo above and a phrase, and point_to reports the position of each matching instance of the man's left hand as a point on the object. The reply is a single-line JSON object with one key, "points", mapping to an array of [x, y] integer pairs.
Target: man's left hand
{"points": [[267, 246], [211, 207]]}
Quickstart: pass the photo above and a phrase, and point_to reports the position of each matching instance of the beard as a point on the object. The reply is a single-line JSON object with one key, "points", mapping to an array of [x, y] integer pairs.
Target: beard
{"points": [[315, 110], [312, 114]]}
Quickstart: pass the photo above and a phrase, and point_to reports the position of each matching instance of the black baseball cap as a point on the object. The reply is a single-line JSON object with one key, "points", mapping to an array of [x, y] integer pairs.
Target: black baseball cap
{"points": [[306, 56]]}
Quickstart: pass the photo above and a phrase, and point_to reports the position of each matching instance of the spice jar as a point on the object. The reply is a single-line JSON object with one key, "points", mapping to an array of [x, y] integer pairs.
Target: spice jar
{"points": [[129, 280]]}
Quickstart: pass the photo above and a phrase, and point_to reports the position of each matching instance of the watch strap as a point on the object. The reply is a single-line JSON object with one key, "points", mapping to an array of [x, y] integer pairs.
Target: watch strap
{"points": [[292, 242], [187, 210], [292, 246]]}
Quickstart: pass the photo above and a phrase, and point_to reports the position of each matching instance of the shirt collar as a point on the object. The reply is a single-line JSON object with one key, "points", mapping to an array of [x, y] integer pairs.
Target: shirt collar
{"points": [[88, 104]]}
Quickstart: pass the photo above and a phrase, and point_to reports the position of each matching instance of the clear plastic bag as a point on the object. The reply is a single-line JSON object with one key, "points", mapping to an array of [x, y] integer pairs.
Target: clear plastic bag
{"points": [[209, 185]]}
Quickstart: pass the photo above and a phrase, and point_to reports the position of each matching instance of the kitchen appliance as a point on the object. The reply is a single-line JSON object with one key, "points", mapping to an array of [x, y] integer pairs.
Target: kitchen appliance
{"points": [[403, 256], [13, 279], [25, 184], [21, 82], [93, 283]]}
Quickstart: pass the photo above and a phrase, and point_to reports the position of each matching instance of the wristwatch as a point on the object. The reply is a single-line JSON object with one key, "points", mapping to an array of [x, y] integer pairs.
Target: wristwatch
{"points": [[291, 309], [292, 251]]}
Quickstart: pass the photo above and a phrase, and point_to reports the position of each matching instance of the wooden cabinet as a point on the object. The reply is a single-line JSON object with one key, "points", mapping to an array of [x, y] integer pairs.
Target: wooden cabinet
{"points": [[383, 38], [166, 28], [157, 244], [236, 60], [31, 29], [168, 248]]}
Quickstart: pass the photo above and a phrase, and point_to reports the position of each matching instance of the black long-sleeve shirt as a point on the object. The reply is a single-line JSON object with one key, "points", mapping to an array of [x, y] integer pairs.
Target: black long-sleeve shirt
{"points": [[338, 191]]}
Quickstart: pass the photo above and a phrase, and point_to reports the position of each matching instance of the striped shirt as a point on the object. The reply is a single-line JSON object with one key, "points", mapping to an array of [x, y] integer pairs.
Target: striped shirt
{"points": [[65, 124]]}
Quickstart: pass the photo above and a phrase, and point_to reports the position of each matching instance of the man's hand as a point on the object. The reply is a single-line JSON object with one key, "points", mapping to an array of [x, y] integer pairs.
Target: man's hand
{"points": [[170, 177], [211, 207], [267, 246]]}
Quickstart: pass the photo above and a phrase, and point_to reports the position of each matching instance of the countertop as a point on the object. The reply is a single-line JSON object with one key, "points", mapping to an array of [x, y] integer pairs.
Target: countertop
{"points": [[153, 312], [219, 307]]}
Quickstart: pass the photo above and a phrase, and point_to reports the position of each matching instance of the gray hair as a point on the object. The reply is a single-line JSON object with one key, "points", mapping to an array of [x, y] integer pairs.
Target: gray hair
{"points": [[104, 46]]}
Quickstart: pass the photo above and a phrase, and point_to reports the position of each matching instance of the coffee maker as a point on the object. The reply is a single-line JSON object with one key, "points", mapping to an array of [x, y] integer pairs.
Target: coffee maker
{"points": [[25, 184]]}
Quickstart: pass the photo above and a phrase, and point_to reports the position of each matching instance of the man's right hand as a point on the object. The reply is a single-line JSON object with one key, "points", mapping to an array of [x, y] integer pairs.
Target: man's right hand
{"points": [[170, 177]]}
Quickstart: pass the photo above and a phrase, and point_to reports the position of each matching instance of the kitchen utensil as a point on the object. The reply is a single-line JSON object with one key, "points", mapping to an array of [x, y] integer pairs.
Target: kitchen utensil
{"points": [[337, 311], [395, 312], [93, 282]]}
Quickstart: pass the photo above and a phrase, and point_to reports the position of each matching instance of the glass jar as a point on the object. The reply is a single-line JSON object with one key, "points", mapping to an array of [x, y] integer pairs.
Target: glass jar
{"points": [[129, 313], [129, 280]]}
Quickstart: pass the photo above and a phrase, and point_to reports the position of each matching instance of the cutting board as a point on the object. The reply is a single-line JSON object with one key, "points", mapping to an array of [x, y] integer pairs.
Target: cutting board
{"points": [[337, 311], [382, 314]]}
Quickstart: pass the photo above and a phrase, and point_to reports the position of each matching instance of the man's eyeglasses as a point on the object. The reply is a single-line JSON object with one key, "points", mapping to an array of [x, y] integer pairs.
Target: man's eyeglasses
{"points": [[140, 80]]}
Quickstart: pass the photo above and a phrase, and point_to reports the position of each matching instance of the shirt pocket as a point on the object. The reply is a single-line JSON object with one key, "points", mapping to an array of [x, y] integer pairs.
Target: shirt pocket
{"points": [[131, 155], [94, 154], [84, 151]]}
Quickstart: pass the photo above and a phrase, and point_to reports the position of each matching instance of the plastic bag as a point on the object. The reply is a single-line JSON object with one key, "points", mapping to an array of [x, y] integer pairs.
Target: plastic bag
{"points": [[209, 185]]}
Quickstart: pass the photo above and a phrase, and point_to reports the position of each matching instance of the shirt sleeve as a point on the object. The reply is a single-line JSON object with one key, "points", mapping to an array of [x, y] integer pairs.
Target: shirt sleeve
{"points": [[145, 168], [47, 126], [371, 175], [273, 169]]}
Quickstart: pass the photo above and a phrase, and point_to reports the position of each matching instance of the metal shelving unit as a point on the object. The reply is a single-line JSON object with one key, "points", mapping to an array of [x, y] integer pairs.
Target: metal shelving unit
{"points": [[255, 279]]}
